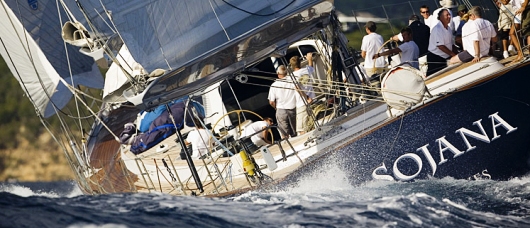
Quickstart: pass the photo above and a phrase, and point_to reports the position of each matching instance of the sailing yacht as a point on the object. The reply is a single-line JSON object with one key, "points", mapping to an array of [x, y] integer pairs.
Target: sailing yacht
{"points": [[173, 67]]}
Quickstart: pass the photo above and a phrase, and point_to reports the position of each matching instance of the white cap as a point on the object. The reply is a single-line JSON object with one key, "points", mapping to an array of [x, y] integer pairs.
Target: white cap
{"points": [[447, 4]]}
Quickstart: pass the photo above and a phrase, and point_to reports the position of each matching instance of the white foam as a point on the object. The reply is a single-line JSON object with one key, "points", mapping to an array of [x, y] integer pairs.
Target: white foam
{"points": [[330, 179], [459, 206], [108, 225], [24, 191]]}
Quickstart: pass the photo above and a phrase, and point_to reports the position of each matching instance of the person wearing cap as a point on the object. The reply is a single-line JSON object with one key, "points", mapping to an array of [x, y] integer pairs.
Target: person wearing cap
{"points": [[408, 49], [461, 10], [440, 44], [420, 34], [459, 21], [477, 35], [369, 46], [462, 19]]}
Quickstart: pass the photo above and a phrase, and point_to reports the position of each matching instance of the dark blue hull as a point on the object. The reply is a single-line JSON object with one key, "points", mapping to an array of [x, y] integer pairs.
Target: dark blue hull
{"points": [[444, 138]]}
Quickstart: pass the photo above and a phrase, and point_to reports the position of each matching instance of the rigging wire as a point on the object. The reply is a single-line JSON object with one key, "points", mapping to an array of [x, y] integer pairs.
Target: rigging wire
{"points": [[257, 14], [325, 86], [71, 76], [235, 97], [25, 43], [114, 59], [219, 20], [38, 112], [46, 92], [391, 146], [30, 57]]}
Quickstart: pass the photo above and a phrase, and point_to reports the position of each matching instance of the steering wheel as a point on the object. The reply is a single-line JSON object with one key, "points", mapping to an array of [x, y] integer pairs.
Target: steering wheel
{"points": [[382, 46], [239, 112]]}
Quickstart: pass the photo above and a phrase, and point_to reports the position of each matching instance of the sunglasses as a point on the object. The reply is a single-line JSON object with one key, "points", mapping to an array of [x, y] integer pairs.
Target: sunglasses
{"points": [[424, 12]]}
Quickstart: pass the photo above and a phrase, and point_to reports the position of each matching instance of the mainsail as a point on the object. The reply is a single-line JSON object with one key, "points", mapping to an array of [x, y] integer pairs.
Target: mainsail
{"points": [[166, 33], [31, 45]]}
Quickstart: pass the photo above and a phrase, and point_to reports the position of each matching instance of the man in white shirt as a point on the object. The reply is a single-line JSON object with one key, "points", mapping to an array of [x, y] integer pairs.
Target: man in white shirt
{"points": [[369, 46], [434, 18], [306, 95], [282, 97], [259, 139], [426, 14], [409, 50], [440, 44], [477, 34]]}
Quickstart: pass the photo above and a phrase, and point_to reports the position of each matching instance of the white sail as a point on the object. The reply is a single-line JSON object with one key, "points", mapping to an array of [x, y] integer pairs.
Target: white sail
{"points": [[25, 47], [115, 77]]}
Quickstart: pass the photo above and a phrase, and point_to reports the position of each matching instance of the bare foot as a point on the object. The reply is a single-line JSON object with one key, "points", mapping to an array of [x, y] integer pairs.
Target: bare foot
{"points": [[518, 58], [454, 60]]}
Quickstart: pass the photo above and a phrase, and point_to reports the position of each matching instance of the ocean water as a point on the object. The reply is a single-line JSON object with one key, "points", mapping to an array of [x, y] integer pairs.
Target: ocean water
{"points": [[324, 199]]}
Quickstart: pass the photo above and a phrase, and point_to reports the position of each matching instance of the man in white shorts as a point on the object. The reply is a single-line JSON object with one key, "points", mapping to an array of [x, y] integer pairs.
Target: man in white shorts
{"points": [[304, 77], [369, 46]]}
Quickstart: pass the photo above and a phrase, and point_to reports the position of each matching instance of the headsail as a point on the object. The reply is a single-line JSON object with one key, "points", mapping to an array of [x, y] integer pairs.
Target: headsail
{"points": [[32, 47]]}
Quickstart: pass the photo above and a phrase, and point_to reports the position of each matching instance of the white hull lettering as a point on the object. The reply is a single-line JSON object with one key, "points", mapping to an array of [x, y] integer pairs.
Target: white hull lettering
{"points": [[495, 118], [484, 175], [482, 137], [381, 172], [447, 146], [403, 177], [429, 157], [383, 169]]}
